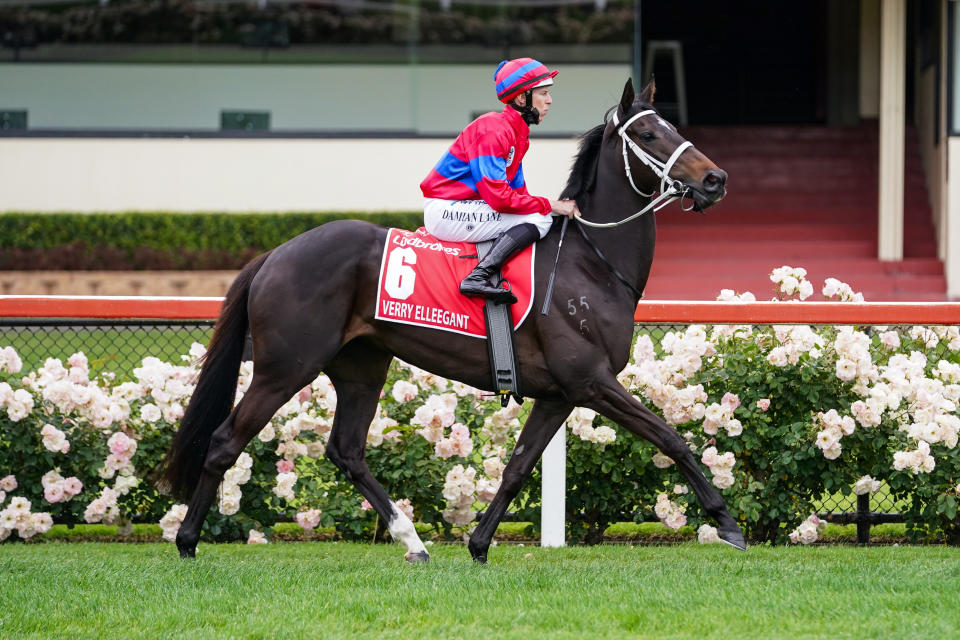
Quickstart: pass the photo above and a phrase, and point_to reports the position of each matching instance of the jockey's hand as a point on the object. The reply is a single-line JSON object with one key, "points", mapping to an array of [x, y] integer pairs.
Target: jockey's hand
{"points": [[565, 208]]}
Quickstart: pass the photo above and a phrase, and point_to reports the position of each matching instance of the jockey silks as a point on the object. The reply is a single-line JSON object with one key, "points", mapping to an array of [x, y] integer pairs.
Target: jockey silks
{"points": [[485, 163]]}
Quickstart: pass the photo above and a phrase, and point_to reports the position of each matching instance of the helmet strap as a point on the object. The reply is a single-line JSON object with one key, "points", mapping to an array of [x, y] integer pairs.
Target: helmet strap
{"points": [[528, 112]]}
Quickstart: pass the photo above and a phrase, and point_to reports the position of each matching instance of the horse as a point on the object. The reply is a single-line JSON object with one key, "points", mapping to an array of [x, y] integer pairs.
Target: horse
{"points": [[309, 307]]}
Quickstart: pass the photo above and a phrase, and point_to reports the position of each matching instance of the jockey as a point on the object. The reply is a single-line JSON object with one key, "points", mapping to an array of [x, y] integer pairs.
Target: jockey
{"points": [[476, 191]]}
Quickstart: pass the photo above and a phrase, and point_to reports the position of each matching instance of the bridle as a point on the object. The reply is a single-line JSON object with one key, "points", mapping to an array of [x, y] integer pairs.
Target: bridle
{"points": [[670, 189]]}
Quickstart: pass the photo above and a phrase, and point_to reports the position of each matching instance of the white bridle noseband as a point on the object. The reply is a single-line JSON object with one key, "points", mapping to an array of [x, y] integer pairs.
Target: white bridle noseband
{"points": [[670, 189]]}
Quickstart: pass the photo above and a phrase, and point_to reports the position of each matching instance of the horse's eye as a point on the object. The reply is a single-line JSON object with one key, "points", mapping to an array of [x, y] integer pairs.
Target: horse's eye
{"points": [[647, 136]]}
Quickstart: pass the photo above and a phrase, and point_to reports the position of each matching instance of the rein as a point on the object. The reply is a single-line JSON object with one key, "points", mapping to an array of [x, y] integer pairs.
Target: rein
{"points": [[670, 189]]}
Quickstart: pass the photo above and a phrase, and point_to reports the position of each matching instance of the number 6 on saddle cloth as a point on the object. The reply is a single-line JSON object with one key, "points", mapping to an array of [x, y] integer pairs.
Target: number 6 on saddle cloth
{"points": [[419, 276]]}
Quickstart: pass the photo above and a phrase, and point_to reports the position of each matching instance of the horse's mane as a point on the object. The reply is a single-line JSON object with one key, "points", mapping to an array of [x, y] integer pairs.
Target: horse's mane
{"points": [[583, 175]]}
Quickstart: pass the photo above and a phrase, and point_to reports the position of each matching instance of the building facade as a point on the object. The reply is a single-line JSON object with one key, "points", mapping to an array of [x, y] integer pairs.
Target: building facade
{"points": [[278, 106]]}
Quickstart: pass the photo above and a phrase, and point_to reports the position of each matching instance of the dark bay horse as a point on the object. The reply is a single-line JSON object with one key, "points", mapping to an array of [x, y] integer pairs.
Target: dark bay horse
{"points": [[309, 306]]}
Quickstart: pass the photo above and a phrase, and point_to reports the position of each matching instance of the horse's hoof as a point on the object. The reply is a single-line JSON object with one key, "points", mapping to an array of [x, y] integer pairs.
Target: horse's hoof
{"points": [[733, 537], [478, 551], [420, 557], [187, 548]]}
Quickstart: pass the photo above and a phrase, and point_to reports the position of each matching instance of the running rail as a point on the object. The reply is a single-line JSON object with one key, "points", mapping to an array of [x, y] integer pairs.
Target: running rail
{"points": [[867, 313], [153, 307], [648, 312]]}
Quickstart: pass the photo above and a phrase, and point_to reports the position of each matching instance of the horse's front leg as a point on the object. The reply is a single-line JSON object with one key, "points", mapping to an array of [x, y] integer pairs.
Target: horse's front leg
{"points": [[608, 397], [544, 420]]}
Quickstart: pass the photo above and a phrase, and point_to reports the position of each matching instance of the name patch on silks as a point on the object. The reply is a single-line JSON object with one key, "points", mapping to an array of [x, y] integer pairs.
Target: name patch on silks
{"points": [[420, 279]]}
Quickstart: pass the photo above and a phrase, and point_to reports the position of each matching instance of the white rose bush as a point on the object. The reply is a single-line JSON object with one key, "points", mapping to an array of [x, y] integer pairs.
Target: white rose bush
{"points": [[782, 416], [778, 416], [77, 446]]}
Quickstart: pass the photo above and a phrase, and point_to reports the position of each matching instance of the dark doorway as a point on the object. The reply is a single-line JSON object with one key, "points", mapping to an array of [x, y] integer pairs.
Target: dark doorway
{"points": [[746, 61]]}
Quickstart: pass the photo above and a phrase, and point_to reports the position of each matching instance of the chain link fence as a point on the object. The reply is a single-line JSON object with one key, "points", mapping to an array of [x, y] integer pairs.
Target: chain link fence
{"points": [[111, 346]]}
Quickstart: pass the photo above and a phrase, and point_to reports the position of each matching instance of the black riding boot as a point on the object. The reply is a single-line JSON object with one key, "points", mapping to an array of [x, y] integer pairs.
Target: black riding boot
{"points": [[512, 241]]}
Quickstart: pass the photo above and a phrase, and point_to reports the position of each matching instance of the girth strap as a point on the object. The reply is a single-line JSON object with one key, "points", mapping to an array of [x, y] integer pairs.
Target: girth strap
{"points": [[501, 343]]}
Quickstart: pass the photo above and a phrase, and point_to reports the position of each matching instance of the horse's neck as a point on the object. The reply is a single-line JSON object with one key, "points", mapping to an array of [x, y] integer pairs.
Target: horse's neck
{"points": [[628, 247]]}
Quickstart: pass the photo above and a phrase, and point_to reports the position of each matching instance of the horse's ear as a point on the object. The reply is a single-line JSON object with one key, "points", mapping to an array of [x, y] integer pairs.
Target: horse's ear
{"points": [[647, 94], [626, 100]]}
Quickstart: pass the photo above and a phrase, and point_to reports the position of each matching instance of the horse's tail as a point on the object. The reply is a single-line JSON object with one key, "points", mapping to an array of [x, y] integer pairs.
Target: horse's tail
{"points": [[212, 399]]}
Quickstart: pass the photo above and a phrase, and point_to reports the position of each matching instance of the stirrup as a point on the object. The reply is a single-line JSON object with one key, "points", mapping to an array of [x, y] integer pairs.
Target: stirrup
{"points": [[484, 289]]}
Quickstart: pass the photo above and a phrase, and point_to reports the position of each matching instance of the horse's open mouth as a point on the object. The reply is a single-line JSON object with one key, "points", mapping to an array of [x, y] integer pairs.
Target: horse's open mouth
{"points": [[702, 200]]}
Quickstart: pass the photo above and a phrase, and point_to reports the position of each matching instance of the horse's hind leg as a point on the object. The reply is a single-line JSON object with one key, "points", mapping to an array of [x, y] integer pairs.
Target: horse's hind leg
{"points": [[266, 394], [610, 399], [544, 420], [358, 373]]}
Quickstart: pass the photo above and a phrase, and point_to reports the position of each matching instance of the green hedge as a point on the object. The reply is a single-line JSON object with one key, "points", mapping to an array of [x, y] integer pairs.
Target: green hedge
{"points": [[183, 21], [158, 240]]}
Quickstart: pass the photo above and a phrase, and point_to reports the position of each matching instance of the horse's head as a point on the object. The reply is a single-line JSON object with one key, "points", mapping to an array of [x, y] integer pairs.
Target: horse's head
{"points": [[662, 159]]}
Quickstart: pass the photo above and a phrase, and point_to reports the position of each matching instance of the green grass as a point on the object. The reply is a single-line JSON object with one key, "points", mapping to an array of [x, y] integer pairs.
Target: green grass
{"points": [[341, 590], [619, 532]]}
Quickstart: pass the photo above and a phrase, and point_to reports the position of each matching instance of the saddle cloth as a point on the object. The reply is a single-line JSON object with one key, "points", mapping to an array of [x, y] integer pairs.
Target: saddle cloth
{"points": [[420, 278]]}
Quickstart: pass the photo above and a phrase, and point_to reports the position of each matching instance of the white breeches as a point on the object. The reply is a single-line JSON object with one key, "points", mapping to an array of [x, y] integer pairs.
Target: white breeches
{"points": [[474, 220]]}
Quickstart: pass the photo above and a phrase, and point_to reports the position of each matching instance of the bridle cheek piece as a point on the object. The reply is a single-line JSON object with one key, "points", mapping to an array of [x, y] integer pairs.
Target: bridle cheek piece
{"points": [[670, 189]]}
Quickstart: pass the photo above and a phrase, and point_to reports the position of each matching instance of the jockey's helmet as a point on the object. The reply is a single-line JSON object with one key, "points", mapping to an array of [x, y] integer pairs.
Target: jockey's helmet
{"points": [[516, 76]]}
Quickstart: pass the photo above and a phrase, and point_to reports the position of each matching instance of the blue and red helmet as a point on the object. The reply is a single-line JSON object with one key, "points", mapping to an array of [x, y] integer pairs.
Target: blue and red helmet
{"points": [[513, 77]]}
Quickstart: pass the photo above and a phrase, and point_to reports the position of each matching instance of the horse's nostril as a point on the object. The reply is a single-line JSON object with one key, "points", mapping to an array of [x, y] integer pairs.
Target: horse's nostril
{"points": [[714, 181]]}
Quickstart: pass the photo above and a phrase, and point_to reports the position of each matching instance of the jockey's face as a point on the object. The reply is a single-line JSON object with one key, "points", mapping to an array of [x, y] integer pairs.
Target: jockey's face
{"points": [[541, 100]]}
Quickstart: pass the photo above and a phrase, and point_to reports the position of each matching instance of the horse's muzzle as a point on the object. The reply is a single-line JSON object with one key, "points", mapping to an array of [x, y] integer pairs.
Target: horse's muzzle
{"points": [[710, 190]]}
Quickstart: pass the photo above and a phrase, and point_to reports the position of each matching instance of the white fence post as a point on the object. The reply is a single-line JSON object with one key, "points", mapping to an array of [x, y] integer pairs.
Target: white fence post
{"points": [[554, 491]]}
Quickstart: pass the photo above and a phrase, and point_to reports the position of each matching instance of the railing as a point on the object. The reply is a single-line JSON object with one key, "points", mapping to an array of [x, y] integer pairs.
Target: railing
{"points": [[648, 312], [67, 312], [156, 307]]}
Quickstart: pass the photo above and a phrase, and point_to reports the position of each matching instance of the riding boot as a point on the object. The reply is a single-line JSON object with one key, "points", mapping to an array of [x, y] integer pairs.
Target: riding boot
{"points": [[507, 245]]}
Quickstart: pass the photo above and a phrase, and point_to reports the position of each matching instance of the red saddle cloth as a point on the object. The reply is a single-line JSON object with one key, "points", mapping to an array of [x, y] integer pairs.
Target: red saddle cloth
{"points": [[420, 279]]}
